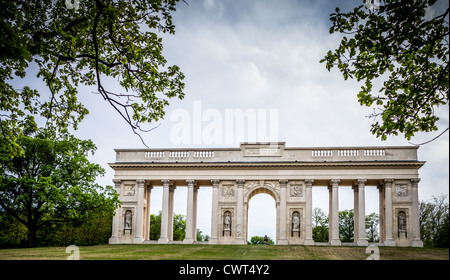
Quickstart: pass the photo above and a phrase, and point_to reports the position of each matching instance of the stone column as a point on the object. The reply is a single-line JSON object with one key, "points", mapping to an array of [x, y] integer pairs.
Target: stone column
{"points": [[170, 215], [416, 242], [381, 213], [308, 235], [138, 238], [283, 209], [116, 219], [335, 212], [189, 238], [214, 212], [147, 213], [361, 241], [389, 241], [164, 213], [240, 213], [330, 212], [355, 212], [194, 228]]}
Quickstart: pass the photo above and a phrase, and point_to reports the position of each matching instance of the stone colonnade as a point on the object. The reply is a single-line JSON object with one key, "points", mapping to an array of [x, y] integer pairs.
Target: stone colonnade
{"points": [[288, 174], [399, 211]]}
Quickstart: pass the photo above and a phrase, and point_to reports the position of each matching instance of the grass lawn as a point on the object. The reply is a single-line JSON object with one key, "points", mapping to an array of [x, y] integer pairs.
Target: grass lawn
{"points": [[222, 252]]}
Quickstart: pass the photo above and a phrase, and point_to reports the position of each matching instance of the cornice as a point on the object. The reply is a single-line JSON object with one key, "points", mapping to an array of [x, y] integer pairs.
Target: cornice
{"points": [[265, 165]]}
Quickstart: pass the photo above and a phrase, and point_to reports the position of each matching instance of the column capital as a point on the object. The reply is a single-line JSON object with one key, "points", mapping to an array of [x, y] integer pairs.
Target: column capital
{"points": [[190, 182], [283, 183], [166, 182], [388, 182], [215, 182], [361, 182], [335, 182], [415, 182], [140, 183], [309, 182], [240, 183], [117, 182]]}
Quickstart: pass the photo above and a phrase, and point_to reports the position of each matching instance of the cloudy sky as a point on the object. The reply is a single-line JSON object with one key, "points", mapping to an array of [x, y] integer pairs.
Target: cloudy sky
{"points": [[261, 56]]}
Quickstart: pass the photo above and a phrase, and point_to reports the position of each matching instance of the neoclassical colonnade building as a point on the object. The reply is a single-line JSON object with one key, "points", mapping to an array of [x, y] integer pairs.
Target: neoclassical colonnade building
{"points": [[288, 174]]}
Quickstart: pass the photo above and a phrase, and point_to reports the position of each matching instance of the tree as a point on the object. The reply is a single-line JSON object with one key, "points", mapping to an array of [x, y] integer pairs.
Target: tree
{"points": [[401, 44], [433, 219], [259, 240], [179, 226], [346, 225], [372, 221], [94, 43], [52, 181], [155, 226], [320, 225]]}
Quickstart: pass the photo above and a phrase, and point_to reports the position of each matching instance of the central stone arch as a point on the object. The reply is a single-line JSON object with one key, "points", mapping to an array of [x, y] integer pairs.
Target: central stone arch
{"points": [[253, 188]]}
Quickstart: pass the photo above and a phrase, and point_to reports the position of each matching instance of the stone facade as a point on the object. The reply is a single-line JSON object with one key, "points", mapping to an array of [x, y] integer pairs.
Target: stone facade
{"points": [[287, 174]]}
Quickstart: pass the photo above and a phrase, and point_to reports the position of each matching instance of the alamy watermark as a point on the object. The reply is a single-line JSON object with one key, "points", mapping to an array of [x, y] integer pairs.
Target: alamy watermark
{"points": [[373, 4], [74, 252], [374, 252], [73, 4], [212, 126]]}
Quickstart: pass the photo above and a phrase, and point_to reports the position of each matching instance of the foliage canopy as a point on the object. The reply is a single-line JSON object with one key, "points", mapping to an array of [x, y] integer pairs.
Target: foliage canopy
{"points": [[407, 46]]}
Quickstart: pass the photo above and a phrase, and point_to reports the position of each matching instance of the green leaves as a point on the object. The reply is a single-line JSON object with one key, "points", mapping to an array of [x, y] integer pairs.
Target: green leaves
{"points": [[100, 39], [399, 42], [52, 180]]}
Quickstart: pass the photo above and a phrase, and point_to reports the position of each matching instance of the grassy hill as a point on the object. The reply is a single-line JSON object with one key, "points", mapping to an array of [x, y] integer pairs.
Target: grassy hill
{"points": [[222, 252]]}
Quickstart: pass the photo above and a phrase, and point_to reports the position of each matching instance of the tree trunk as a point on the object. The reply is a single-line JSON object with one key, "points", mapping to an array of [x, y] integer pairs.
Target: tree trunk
{"points": [[32, 229]]}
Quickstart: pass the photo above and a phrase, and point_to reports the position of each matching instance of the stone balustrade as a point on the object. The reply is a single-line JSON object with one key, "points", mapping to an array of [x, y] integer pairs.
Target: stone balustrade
{"points": [[249, 152]]}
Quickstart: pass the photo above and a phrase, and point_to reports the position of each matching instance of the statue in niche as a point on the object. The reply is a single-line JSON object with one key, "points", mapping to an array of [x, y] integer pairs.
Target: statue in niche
{"points": [[227, 221], [295, 221], [401, 221], [128, 221]]}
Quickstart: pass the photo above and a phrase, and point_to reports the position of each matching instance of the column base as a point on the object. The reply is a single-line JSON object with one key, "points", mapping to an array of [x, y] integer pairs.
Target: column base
{"points": [[213, 241], [335, 242], [138, 240], [163, 240], [417, 243], [308, 242], [283, 242], [114, 240], [188, 241], [390, 242], [362, 242], [240, 242]]}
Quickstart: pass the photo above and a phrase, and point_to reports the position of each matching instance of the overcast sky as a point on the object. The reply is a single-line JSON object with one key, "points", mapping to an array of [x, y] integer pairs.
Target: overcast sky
{"points": [[261, 56]]}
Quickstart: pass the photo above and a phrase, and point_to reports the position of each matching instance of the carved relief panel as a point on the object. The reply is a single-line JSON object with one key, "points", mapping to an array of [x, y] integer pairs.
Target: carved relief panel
{"points": [[401, 190], [129, 190], [227, 191]]}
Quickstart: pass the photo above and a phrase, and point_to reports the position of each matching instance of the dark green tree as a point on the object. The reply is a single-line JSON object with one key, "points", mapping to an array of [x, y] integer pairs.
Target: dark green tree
{"points": [[372, 221], [91, 44], [52, 181], [179, 226], [320, 226], [346, 225], [407, 49], [433, 220], [259, 240]]}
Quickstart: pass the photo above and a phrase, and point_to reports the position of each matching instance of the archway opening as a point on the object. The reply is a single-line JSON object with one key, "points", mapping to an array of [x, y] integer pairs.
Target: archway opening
{"points": [[262, 215]]}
